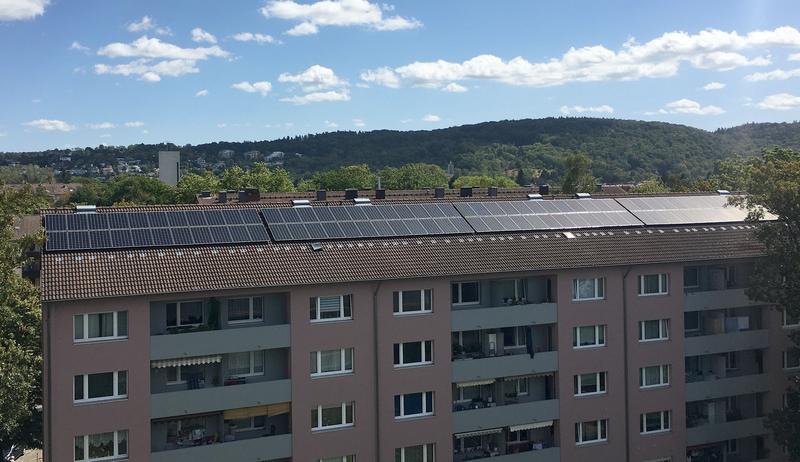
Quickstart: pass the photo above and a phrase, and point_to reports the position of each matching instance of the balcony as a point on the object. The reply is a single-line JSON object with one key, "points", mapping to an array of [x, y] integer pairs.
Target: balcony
{"points": [[508, 414], [534, 442], [210, 342], [750, 449], [219, 398], [250, 450], [507, 315], [465, 370], [712, 388], [717, 299], [722, 343], [722, 431]]}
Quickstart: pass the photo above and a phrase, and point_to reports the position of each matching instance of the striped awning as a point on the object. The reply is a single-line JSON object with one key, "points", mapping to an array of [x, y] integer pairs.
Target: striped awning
{"points": [[532, 376], [530, 426], [490, 431], [268, 410], [475, 383], [195, 360]]}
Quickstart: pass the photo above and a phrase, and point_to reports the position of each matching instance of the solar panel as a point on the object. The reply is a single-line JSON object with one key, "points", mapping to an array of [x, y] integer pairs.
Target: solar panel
{"points": [[683, 210], [344, 222], [487, 217]]}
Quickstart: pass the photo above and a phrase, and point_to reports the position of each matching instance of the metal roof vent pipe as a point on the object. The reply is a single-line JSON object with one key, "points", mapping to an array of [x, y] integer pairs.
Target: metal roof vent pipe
{"points": [[322, 194], [544, 189], [492, 192], [438, 193], [466, 191], [85, 209], [380, 193], [222, 197], [350, 193], [583, 195], [301, 203], [723, 192]]}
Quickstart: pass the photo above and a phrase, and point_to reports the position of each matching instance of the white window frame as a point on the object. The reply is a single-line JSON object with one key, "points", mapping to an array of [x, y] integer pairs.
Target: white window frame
{"points": [[252, 426], [178, 375], [425, 360], [425, 411], [342, 358], [697, 271], [663, 284], [731, 360], [785, 321], [252, 357], [786, 365], [425, 450], [599, 289], [666, 422], [663, 376], [663, 330], [85, 322], [114, 397], [517, 381], [425, 309], [732, 446], [250, 319], [341, 317], [602, 427], [348, 458], [699, 321], [116, 455], [343, 409], [576, 337], [460, 301], [178, 313], [601, 380]]}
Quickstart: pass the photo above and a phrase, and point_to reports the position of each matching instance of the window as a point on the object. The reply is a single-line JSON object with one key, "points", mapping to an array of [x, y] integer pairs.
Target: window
{"points": [[588, 336], [691, 321], [175, 375], [791, 359], [350, 458], [588, 289], [591, 432], [412, 301], [413, 353], [413, 404], [421, 453], [733, 446], [332, 308], [466, 293], [468, 393], [654, 422], [100, 387], [789, 320], [248, 309], [331, 362], [249, 423], [657, 329], [731, 360], [513, 388], [184, 314], [515, 337], [519, 436], [590, 384], [691, 277], [653, 284], [100, 326], [654, 376], [246, 363], [102, 446], [329, 417]]}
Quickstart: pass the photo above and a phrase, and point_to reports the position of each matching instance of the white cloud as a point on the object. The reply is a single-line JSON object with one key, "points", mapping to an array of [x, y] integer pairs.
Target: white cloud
{"points": [[146, 24], [318, 97], [262, 87], [382, 76], [222, 125], [658, 58], [134, 124], [2, 134], [777, 74], [602, 109], [105, 135], [330, 124], [50, 125], [431, 118], [17, 10], [359, 123], [340, 13], [794, 57], [148, 71], [687, 106], [199, 35], [713, 86], [101, 126], [154, 48], [780, 102], [77, 46], [251, 37], [313, 79], [453, 87], [202, 92]]}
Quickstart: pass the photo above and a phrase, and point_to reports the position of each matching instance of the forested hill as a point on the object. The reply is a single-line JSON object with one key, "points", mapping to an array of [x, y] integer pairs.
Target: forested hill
{"points": [[621, 150]]}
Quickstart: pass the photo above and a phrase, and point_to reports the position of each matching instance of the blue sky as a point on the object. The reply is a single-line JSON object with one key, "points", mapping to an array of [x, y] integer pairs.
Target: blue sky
{"points": [[98, 72]]}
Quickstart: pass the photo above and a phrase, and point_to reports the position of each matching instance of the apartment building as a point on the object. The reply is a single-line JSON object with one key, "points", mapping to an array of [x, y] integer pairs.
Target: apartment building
{"points": [[469, 328]]}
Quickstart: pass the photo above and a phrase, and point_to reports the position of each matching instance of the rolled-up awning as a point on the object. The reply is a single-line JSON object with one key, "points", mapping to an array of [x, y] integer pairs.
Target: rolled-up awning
{"points": [[195, 360], [490, 431], [475, 383], [531, 376], [530, 426], [268, 410]]}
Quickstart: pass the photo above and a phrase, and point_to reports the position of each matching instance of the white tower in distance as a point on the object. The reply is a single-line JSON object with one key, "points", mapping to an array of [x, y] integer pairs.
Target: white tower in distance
{"points": [[169, 167]]}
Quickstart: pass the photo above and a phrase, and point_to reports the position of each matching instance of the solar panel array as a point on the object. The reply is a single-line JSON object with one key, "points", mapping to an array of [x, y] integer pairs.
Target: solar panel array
{"points": [[89, 231], [347, 222], [540, 215], [683, 210]]}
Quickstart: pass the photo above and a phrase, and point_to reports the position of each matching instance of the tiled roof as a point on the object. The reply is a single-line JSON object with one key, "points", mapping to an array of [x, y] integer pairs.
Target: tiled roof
{"points": [[87, 275]]}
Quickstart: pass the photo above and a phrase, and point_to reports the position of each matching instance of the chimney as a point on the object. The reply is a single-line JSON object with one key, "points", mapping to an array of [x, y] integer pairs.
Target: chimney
{"points": [[544, 189], [380, 193], [492, 191], [350, 193], [466, 191], [205, 193], [438, 193], [222, 197], [322, 195]]}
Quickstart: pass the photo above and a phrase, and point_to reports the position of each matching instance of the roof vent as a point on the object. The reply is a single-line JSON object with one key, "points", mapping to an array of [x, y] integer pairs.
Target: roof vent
{"points": [[466, 191], [380, 193], [301, 203], [438, 193], [362, 201], [569, 235], [583, 196], [492, 192], [316, 246], [322, 195], [85, 209], [222, 197], [723, 192], [544, 189], [350, 193], [534, 197]]}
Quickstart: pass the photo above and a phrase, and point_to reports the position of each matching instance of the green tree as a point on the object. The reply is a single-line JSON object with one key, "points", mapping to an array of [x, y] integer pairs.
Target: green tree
{"points": [[414, 176], [138, 190], [20, 329], [651, 186], [351, 176], [484, 181], [266, 180], [233, 179], [773, 186], [578, 174], [192, 184]]}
